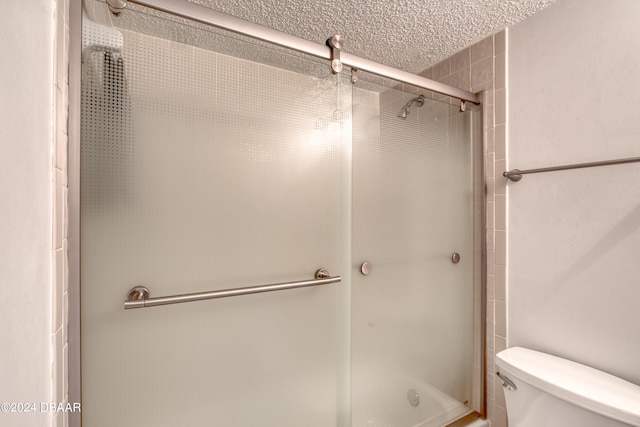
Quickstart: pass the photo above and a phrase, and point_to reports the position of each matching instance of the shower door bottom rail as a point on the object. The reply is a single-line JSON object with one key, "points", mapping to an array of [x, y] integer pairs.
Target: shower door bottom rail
{"points": [[138, 296]]}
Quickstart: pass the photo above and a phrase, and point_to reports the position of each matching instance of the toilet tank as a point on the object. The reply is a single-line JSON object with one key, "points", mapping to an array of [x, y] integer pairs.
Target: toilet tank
{"points": [[547, 391]]}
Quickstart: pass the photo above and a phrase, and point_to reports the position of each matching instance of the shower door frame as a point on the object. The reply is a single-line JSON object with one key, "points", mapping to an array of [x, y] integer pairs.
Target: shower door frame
{"points": [[186, 10]]}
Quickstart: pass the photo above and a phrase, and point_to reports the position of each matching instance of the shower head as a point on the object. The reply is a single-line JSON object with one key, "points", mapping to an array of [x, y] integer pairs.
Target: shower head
{"points": [[404, 112]]}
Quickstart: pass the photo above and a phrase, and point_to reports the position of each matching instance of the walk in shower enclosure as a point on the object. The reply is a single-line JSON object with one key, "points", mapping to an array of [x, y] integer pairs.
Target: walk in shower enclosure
{"points": [[213, 164]]}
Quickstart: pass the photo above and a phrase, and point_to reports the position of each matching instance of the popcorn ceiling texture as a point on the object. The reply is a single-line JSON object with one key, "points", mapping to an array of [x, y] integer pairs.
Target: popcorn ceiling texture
{"points": [[410, 35]]}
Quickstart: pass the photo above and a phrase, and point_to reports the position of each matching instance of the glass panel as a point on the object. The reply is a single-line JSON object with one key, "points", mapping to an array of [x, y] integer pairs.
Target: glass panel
{"points": [[204, 171], [413, 207]]}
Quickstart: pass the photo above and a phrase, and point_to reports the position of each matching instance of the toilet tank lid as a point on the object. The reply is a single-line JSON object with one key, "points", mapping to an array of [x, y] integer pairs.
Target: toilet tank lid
{"points": [[581, 385]]}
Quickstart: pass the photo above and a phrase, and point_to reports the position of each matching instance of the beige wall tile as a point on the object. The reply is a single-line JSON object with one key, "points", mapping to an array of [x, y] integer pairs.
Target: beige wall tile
{"points": [[500, 142], [491, 408], [501, 344], [501, 212], [500, 107], [491, 287], [461, 61], [428, 73], [501, 247], [491, 214], [500, 42], [491, 189], [482, 71], [501, 318], [500, 283], [490, 140], [491, 242], [482, 50], [500, 419], [461, 79], [490, 387], [501, 182], [500, 69], [442, 69], [489, 168]]}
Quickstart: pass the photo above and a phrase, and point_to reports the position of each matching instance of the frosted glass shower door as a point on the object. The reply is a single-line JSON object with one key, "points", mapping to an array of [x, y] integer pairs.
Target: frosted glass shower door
{"points": [[414, 341], [202, 171]]}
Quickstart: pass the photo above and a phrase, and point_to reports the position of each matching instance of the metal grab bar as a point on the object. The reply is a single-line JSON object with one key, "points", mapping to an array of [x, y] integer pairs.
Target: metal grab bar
{"points": [[138, 296], [516, 175]]}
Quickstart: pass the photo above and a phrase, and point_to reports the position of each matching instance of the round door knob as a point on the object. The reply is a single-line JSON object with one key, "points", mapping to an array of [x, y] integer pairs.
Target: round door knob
{"points": [[365, 268], [455, 258]]}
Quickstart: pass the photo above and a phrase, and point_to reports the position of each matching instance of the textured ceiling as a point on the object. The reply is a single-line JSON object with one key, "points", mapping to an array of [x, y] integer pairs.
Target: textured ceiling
{"points": [[410, 35], [407, 34]]}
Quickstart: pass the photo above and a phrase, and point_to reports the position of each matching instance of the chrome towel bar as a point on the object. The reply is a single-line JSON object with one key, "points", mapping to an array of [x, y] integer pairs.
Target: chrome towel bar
{"points": [[138, 296], [516, 175]]}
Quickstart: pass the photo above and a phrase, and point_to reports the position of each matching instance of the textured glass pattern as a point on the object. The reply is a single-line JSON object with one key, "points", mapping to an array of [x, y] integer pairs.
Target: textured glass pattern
{"points": [[202, 171], [215, 165], [413, 316], [104, 86]]}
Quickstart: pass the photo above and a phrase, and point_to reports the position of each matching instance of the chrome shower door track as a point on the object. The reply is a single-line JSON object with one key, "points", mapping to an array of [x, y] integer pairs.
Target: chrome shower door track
{"points": [[205, 15]]}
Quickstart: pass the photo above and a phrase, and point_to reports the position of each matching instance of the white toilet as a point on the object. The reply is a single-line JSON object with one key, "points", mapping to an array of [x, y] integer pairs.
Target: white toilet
{"points": [[547, 391]]}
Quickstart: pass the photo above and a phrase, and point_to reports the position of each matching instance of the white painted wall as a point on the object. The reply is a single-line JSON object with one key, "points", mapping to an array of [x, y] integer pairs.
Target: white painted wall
{"points": [[574, 236], [26, 111]]}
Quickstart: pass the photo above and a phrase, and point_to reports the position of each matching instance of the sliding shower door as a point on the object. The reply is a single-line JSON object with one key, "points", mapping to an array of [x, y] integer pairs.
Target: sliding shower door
{"points": [[415, 298], [212, 164]]}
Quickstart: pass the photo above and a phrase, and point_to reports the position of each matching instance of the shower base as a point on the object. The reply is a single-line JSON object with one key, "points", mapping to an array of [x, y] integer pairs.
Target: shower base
{"points": [[404, 402]]}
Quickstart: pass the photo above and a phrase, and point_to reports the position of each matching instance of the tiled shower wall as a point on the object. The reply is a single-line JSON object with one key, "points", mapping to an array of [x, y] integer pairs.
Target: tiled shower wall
{"points": [[479, 67], [59, 322]]}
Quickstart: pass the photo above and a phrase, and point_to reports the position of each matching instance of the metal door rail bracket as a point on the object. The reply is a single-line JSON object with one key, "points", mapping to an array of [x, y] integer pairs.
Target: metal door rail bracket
{"points": [[335, 43]]}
